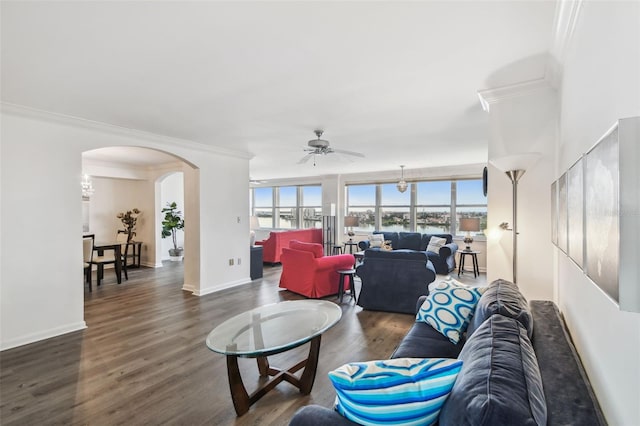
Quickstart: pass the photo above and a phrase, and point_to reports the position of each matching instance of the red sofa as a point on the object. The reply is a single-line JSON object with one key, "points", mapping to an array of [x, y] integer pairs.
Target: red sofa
{"points": [[306, 271], [272, 246]]}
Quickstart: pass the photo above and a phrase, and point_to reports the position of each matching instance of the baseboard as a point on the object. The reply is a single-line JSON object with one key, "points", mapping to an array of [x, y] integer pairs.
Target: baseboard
{"points": [[42, 335], [204, 291]]}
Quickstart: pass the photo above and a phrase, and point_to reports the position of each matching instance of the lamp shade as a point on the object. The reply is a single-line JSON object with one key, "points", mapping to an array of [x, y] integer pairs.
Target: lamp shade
{"points": [[470, 224], [254, 223], [350, 221], [516, 162]]}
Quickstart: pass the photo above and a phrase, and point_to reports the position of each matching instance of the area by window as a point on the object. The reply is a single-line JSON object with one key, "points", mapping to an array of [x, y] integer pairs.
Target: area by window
{"points": [[428, 207], [287, 207]]}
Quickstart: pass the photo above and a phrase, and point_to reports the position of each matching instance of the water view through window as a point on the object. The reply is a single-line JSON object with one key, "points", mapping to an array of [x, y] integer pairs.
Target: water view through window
{"points": [[429, 207], [288, 207], [438, 206]]}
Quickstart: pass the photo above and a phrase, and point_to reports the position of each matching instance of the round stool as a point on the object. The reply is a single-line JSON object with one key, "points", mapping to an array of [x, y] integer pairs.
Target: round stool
{"points": [[337, 250], [343, 274]]}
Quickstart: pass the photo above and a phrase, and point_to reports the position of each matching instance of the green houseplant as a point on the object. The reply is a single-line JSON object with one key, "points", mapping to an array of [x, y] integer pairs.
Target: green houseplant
{"points": [[173, 221]]}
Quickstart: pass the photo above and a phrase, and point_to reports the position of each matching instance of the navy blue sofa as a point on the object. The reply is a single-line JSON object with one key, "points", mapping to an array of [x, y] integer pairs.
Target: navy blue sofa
{"points": [[393, 280], [444, 261], [513, 373]]}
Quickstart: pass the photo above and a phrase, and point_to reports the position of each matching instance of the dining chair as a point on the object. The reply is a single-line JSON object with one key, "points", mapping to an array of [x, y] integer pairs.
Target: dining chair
{"points": [[121, 237], [108, 257], [87, 257]]}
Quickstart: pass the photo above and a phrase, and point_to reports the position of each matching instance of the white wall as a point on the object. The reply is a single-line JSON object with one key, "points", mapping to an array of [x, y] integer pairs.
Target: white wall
{"points": [[601, 83], [40, 217], [172, 190], [522, 119], [113, 196]]}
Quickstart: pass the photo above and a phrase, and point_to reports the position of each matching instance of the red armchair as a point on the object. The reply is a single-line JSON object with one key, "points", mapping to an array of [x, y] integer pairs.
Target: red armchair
{"points": [[272, 246], [306, 271]]}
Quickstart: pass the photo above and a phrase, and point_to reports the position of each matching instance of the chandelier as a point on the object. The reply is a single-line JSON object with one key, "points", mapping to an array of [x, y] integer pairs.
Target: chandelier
{"points": [[87, 187], [402, 185]]}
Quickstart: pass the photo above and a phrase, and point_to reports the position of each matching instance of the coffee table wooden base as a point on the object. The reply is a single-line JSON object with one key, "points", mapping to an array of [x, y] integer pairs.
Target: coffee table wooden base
{"points": [[242, 400]]}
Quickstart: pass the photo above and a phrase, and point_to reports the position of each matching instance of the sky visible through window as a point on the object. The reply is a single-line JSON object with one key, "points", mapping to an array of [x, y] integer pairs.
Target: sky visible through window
{"points": [[311, 196], [433, 206], [428, 193]]}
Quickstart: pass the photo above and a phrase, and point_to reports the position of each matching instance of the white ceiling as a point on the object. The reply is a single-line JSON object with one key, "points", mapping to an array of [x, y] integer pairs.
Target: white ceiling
{"points": [[396, 81]]}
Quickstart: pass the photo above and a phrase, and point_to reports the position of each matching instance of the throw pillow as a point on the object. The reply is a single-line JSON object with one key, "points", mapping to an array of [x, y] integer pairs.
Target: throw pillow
{"points": [[500, 382], [504, 298], [449, 307], [376, 240], [435, 243], [401, 391]]}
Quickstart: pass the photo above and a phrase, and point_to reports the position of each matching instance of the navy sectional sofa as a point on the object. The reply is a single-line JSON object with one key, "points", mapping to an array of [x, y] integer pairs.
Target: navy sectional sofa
{"points": [[393, 280], [519, 368], [444, 261]]}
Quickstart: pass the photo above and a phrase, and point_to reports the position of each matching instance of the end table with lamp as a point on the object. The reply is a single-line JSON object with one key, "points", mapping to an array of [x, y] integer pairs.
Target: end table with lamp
{"points": [[350, 222], [469, 225]]}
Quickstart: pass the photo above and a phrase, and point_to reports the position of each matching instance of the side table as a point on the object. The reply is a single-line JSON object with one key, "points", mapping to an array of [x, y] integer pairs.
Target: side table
{"points": [[351, 245], [474, 260], [346, 273]]}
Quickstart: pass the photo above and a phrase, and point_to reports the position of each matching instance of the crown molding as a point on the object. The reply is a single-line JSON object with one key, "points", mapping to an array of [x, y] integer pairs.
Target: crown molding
{"points": [[498, 94], [38, 114]]}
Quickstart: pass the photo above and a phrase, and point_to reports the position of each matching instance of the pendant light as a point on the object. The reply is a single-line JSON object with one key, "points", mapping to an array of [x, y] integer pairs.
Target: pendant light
{"points": [[402, 185]]}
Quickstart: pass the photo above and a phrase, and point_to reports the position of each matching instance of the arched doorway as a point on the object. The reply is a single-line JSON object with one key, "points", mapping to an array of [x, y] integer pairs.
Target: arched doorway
{"points": [[124, 178]]}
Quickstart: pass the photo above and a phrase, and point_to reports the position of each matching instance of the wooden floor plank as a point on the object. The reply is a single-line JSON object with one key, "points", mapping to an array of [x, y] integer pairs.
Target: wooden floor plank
{"points": [[143, 360]]}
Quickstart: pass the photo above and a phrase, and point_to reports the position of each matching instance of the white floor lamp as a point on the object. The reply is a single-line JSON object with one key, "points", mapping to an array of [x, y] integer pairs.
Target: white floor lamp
{"points": [[514, 167]]}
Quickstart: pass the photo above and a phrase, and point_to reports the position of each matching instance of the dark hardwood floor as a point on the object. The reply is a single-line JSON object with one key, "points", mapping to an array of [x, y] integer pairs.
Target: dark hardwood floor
{"points": [[143, 360]]}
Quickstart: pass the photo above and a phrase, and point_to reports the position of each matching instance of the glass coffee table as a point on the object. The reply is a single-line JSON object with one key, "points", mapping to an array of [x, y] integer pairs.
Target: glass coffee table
{"points": [[269, 330]]}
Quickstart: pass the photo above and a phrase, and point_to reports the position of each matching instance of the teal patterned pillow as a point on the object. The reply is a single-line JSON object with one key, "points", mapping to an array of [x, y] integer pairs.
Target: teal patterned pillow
{"points": [[449, 307], [401, 391]]}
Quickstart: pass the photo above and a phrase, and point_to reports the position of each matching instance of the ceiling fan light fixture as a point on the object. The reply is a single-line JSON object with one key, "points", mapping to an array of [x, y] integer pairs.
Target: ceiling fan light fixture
{"points": [[402, 185]]}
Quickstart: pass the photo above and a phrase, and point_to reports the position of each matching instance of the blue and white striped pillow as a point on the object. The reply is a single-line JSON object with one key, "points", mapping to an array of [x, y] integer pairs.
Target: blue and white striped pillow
{"points": [[449, 307], [401, 391]]}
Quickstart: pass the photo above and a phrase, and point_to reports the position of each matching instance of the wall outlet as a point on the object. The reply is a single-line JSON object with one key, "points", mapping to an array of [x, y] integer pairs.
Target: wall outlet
{"points": [[230, 262], [239, 261]]}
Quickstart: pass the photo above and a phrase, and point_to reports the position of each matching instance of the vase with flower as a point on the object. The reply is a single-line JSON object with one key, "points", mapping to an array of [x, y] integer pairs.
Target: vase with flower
{"points": [[129, 220]]}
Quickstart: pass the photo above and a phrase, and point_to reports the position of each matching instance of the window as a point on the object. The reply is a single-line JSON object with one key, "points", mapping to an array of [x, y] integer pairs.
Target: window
{"points": [[263, 206], [288, 207], [311, 204], [471, 203], [394, 209], [433, 207], [361, 200], [430, 207]]}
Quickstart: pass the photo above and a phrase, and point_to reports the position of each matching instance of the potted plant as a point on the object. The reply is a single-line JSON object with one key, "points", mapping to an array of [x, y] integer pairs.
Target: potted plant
{"points": [[173, 221]]}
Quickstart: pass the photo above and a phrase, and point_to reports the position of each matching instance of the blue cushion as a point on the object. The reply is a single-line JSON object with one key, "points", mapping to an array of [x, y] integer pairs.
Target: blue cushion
{"points": [[500, 382], [449, 307], [423, 341], [409, 240], [504, 298], [401, 391]]}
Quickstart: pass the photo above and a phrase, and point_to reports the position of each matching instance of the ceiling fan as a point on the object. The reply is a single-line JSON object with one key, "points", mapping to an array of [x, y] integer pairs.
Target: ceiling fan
{"points": [[321, 147]]}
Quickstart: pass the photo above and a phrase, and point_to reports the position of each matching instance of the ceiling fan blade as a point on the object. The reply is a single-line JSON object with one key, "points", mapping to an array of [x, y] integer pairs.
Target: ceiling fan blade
{"points": [[355, 154], [306, 158]]}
